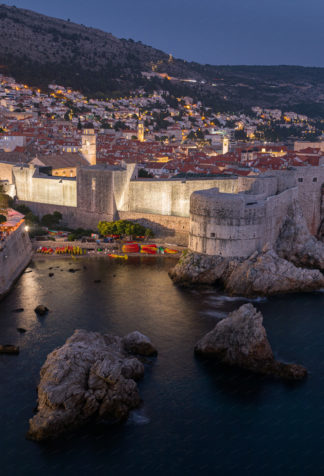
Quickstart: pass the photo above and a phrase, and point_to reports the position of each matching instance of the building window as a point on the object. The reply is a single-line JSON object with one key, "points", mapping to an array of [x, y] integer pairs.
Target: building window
{"points": [[212, 235], [300, 179], [315, 179], [93, 184]]}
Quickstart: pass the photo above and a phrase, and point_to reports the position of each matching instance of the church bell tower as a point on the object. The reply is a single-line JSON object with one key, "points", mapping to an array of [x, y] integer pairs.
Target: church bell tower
{"points": [[89, 146]]}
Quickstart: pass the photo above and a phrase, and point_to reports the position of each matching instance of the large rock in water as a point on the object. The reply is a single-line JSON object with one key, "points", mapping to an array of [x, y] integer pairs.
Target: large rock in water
{"points": [[265, 274], [197, 268], [261, 274], [90, 377], [241, 340]]}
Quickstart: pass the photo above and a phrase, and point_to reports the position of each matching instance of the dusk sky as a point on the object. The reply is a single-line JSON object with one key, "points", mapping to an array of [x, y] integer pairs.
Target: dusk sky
{"points": [[207, 31]]}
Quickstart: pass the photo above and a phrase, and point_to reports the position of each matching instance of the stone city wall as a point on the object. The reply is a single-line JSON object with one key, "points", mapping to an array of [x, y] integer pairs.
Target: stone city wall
{"points": [[236, 225], [309, 181], [6, 172], [32, 186], [171, 229], [172, 197], [15, 254]]}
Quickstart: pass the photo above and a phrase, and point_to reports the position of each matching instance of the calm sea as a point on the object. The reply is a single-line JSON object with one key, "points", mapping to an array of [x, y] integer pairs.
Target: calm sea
{"points": [[197, 417]]}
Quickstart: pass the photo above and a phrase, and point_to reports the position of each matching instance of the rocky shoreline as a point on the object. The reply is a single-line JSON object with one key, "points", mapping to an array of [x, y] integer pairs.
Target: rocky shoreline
{"points": [[294, 264], [91, 377]]}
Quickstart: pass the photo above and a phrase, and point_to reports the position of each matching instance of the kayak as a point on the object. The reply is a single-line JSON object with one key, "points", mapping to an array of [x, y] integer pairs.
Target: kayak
{"points": [[131, 248], [170, 251], [152, 250], [111, 255]]}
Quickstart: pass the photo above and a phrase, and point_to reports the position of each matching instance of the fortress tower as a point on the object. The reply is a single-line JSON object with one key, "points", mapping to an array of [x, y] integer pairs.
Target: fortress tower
{"points": [[89, 146], [140, 131]]}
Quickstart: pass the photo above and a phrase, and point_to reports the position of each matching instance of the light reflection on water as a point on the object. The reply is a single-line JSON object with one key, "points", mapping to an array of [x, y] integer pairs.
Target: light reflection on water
{"points": [[197, 417]]}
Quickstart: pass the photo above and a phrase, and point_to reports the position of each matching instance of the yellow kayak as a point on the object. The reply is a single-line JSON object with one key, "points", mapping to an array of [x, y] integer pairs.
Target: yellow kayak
{"points": [[170, 251], [118, 256]]}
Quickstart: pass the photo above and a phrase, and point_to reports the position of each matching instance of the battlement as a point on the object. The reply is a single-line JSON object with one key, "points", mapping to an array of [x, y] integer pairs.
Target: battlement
{"points": [[228, 224]]}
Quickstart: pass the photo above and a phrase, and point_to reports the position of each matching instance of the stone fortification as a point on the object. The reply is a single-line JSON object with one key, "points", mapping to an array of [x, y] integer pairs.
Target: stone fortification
{"points": [[238, 224], [33, 186], [310, 182], [239, 216], [172, 197], [15, 254]]}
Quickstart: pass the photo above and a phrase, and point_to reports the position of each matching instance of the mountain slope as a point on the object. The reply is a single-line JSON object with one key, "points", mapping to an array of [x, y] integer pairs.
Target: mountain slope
{"points": [[39, 50]]}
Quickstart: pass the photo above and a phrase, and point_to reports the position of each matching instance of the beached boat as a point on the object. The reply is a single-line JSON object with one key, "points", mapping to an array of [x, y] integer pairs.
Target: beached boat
{"points": [[131, 248], [170, 251], [112, 255]]}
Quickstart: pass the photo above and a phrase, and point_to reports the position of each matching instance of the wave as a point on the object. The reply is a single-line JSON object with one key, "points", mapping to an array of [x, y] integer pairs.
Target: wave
{"points": [[137, 417]]}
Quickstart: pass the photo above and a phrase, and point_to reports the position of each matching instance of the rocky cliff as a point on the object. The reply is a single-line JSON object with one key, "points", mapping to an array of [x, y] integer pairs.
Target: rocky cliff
{"points": [[91, 377]]}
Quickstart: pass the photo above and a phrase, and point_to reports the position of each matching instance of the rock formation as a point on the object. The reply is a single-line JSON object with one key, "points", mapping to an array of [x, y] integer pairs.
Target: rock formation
{"points": [[41, 310], [262, 274], [241, 340], [198, 268], [9, 349], [296, 244], [91, 377], [265, 274]]}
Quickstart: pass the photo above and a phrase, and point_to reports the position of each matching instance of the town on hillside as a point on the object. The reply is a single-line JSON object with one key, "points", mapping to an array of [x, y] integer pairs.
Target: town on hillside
{"points": [[165, 136]]}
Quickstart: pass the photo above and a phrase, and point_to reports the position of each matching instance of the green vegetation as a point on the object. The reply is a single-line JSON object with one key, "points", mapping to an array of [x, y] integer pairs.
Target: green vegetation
{"points": [[123, 227], [51, 220], [79, 233], [5, 200], [3, 218]]}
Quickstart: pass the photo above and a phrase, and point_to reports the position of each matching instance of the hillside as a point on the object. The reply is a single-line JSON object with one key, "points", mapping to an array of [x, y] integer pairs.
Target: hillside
{"points": [[39, 50]]}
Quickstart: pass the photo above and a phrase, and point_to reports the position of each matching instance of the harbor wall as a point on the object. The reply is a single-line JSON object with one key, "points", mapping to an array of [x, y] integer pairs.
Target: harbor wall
{"points": [[15, 254]]}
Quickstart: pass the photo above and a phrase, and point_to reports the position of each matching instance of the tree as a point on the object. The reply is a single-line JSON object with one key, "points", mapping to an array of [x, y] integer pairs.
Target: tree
{"points": [[122, 227], [4, 199], [3, 218], [144, 174], [240, 135], [51, 220]]}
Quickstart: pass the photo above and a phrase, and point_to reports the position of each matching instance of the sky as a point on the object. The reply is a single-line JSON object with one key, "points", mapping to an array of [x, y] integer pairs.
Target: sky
{"points": [[264, 32]]}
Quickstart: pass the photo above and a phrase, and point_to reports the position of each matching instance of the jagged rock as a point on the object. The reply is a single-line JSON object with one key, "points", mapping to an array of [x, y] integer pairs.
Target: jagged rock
{"points": [[197, 268], [241, 340], [9, 349], [266, 274], [296, 244], [90, 377], [262, 274], [137, 343], [41, 310]]}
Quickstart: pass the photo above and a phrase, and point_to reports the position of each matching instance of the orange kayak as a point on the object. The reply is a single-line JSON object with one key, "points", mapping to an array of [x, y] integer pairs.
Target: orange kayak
{"points": [[169, 250]]}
